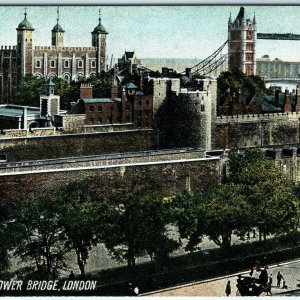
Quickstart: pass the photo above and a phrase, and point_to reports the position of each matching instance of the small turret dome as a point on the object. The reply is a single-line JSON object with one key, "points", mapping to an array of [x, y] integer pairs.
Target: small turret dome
{"points": [[99, 27], [25, 24], [57, 28]]}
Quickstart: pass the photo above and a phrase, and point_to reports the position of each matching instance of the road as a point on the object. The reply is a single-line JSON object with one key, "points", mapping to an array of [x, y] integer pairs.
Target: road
{"points": [[216, 287]]}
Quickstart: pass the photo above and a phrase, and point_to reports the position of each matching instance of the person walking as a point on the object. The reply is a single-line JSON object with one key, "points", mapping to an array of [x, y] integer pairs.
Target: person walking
{"points": [[270, 279], [279, 278], [228, 289]]}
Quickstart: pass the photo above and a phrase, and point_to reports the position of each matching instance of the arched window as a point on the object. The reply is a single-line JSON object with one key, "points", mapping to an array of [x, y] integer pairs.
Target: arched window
{"points": [[93, 64], [52, 64], [66, 64], [80, 64], [38, 64]]}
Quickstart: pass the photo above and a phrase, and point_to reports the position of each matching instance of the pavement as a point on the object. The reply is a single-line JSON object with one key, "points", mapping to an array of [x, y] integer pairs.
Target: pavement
{"points": [[216, 287]]}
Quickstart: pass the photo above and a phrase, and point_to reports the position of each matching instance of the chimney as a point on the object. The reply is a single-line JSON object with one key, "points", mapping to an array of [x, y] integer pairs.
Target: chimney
{"points": [[297, 108], [287, 105], [25, 118], [123, 103], [277, 93], [86, 91], [114, 91], [142, 83]]}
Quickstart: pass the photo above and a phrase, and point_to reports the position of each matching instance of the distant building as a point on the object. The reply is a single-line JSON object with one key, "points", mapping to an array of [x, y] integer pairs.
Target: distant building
{"points": [[52, 61], [241, 43], [132, 107], [129, 63]]}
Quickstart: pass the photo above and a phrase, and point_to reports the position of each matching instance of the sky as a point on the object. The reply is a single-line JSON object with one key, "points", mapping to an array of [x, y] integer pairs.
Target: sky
{"points": [[155, 31]]}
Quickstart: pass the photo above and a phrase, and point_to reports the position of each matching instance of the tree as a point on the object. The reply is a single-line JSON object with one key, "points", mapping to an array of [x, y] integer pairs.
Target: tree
{"points": [[238, 81], [226, 212], [29, 90], [39, 236], [217, 213], [140, 228], [268, 192], [85, 219]]}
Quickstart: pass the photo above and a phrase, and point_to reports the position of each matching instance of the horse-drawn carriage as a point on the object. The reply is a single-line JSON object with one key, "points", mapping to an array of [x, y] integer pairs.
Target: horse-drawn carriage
{"points": [[249, 286]]}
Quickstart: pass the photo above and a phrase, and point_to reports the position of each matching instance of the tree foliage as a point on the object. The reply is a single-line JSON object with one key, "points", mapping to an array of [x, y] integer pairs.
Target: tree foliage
{"points": [[85, 219], [249, 85], [140, 228], [31, 88]]}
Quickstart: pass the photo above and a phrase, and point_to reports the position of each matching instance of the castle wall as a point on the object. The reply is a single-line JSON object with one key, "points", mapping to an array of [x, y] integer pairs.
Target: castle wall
{"points": [[166, 178], [257, 130], [162, 87], [67, 145]]}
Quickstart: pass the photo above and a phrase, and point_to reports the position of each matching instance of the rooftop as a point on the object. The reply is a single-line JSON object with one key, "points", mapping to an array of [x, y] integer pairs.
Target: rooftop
{"points": [[17, 111], [100, 100]]}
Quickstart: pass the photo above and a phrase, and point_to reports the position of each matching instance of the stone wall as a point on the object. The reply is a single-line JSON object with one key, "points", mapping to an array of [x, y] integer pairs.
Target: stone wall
{"points": [[257, 130], [67, 145], [165, 178]]}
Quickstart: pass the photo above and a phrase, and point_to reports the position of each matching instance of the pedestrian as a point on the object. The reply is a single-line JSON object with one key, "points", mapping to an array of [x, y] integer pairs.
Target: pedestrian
{"points": [[228, 289], [270, 279], [72, 275], [279, 278], [130, 289]]}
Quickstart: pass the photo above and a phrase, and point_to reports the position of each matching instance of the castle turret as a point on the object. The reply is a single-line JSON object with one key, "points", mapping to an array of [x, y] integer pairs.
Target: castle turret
{"points": [[57, 33], [24, 47], [99, 41], [241, 44]]}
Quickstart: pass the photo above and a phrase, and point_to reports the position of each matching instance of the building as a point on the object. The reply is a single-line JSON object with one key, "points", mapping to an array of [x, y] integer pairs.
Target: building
{"points": [[132, 107], [129, 63], [277, 68], [55, 61], [241, 44]]}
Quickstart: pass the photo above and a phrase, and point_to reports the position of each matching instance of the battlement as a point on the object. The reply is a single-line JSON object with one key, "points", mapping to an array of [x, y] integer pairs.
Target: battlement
{"points": [[258, 117], [9, 47], [53, 48]]}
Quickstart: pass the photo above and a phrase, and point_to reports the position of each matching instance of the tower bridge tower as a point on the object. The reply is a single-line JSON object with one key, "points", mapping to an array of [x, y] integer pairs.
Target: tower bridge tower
{"points": [[241, 44]]}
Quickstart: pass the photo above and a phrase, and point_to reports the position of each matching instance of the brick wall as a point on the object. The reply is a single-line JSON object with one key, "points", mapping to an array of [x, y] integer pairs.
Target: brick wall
{"points": [[166, 178], [30, 148], [257, 130]]}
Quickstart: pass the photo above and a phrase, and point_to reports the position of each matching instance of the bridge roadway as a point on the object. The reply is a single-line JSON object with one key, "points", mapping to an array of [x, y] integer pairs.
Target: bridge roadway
{"points": [[216, 286], [101, 160]]}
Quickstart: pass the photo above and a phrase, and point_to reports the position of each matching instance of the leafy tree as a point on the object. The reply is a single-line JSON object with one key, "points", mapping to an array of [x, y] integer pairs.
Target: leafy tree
{"points": [[140, 227], [217, 214], [85, 219], [29, 90], [249, 85], [39, 236], [268, 192]]}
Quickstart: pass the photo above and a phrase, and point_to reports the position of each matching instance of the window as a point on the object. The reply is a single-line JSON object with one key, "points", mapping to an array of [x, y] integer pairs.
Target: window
{"points": [[99, 120], [38, 64], [91, 122], [80, 64], [127, 106], [127, 118], [91, 108], [100, 108], [52, 64], [66, 64], [93, 64], [140, 102], [140, 113], [147, 102]]}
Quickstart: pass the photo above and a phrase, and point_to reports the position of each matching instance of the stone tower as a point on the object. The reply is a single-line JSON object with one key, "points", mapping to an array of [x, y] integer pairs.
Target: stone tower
{"points": [[57, 33], [24, 47], [99, 42], [241, 44]]}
